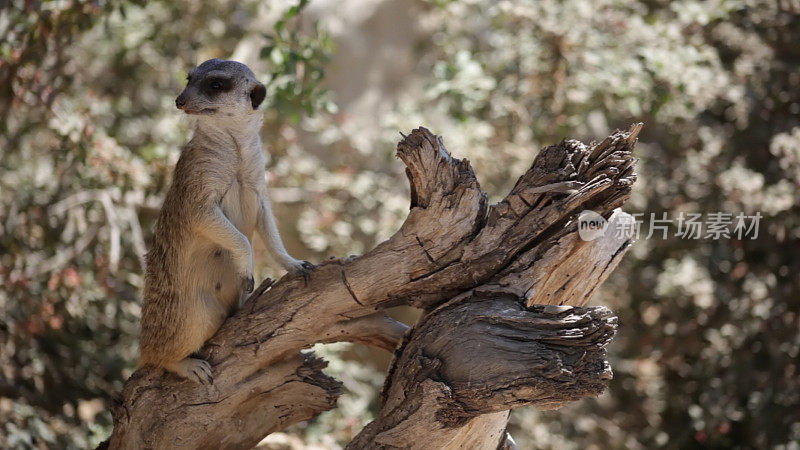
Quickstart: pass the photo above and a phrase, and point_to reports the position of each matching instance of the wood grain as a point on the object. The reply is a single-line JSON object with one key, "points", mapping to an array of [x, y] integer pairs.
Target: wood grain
{"points": [[478, 270]]}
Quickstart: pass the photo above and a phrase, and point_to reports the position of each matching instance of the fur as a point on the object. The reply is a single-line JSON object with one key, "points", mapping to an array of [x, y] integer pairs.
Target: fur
{"points": [[200, 266]]}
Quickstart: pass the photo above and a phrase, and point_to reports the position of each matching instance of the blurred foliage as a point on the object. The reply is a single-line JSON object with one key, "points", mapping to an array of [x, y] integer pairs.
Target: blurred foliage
{"points": [[298, 67], [709, 339]]}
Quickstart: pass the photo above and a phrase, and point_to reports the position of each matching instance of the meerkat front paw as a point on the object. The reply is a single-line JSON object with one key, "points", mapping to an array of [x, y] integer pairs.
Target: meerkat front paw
{"points": [[245, 292], [194, 369], [248, 284], [299, 267], [245, 274]]}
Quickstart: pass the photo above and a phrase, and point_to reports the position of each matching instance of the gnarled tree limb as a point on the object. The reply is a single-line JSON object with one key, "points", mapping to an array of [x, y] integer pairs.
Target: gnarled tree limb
{"points": [[468, 264], [487, 354]]}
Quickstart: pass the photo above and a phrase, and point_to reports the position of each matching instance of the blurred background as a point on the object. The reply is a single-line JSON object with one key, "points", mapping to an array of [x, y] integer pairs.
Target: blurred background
{"points": [[707, 350]]}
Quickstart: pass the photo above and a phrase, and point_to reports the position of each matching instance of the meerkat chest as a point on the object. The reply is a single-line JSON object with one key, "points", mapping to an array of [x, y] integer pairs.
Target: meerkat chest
{"points": [[241, 203]]}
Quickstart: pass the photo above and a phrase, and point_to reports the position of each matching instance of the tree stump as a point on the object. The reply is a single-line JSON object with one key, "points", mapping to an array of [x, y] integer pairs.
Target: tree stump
{"points": [[502, 286]]}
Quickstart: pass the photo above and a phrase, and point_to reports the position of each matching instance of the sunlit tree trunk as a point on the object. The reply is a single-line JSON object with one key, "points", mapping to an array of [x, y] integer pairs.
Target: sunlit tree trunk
{"points": [[503, 287]]}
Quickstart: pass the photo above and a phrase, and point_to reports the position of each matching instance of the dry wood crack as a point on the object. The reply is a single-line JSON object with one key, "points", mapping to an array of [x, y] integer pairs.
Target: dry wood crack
{"points": [[486, 344]]}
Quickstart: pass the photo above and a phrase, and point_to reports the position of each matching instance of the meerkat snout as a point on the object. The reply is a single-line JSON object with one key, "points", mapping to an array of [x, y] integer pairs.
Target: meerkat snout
{"points": [[180, 102], [221, 87]]}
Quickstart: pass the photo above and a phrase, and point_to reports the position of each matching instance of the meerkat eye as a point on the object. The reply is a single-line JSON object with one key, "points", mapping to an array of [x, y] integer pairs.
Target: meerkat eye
{"points": [[214, 86]]}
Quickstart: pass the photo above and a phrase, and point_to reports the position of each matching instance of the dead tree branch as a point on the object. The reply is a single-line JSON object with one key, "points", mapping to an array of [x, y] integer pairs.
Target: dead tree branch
{"points": [[487, 354], [478, 352]]}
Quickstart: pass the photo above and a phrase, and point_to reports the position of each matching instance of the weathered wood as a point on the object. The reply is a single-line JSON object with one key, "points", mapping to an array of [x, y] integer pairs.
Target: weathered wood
{"points": [[560, 270], [452, 246], [487, 354]]}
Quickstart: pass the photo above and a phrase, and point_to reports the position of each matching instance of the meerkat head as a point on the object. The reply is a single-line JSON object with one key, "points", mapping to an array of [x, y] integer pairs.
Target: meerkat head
{"points": [[225, 89]]}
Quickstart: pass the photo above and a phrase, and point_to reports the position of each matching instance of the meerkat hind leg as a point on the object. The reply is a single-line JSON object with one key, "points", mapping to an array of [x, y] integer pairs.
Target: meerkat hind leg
{"points": [[195, 369]]}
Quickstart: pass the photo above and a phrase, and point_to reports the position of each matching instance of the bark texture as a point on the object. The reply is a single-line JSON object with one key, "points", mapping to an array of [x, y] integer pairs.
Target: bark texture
{"points": [[466, 365], [487, 343]]}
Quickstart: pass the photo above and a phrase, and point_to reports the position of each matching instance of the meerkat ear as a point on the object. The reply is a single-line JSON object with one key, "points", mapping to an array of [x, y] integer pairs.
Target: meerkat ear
{"points": [[257, 94]]}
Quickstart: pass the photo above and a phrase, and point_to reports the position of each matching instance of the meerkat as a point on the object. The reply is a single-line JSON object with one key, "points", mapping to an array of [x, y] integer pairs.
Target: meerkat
{"points": [[200, 266]]}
